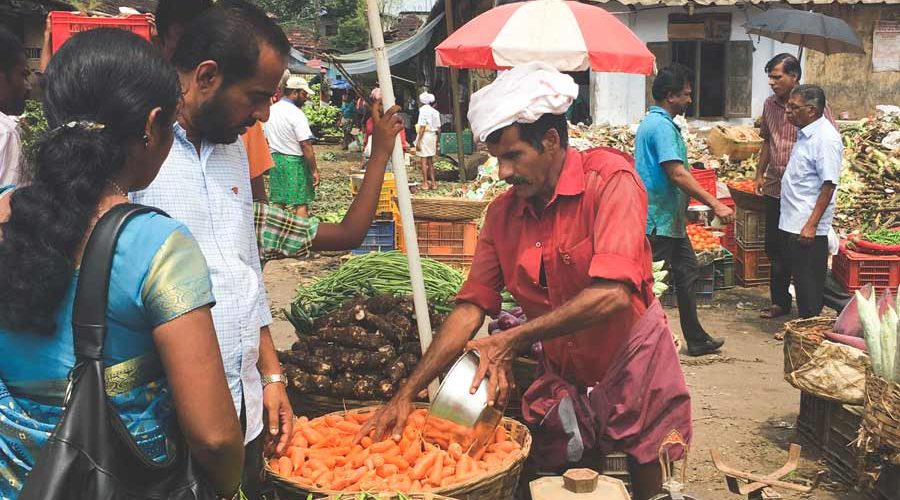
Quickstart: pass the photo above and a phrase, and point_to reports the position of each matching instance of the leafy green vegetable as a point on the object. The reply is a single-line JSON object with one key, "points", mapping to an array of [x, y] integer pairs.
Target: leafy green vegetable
{"points": [[372, 274], [883, 237], [323, 117], [33, 125]]}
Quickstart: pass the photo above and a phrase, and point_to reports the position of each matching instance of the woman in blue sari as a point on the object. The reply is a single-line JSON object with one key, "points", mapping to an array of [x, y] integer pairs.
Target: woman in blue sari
{"points": [[111, 101]]}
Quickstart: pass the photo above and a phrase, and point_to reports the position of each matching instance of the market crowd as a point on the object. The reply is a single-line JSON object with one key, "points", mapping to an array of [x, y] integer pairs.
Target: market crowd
{"points": [[187, 125]]}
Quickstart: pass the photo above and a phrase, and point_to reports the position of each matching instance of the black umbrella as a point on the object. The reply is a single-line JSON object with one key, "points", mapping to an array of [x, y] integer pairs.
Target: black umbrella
{"points": [[807, 29]]}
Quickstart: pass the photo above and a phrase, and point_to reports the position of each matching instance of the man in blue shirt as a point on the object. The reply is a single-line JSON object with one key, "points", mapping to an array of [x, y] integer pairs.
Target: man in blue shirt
{"points": [[808, 195], [661, 161]]}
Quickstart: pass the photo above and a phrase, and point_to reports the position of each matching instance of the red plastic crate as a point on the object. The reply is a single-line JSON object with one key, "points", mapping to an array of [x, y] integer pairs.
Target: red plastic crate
{"points": [[707, 180], [855, 269], [751, 267], [63, 25], [728, 241]]}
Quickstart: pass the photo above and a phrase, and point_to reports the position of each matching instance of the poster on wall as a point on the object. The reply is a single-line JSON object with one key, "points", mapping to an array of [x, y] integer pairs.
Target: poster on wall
{"points": [[886, 46]]}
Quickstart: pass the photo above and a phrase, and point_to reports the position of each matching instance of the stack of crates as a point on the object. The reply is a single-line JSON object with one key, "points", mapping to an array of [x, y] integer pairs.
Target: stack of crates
{"points": [[752, 266]]}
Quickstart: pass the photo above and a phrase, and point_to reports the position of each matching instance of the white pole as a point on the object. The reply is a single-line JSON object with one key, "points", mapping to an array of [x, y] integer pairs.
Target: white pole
{"points": [[420, 300]]}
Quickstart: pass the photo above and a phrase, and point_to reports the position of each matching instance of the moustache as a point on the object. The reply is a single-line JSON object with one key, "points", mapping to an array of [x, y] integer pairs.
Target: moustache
{"points": [[517, 180]]}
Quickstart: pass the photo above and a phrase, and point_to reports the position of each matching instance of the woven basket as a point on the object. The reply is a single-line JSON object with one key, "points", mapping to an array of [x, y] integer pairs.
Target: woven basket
{"points": [[801, 338], [881, 422], [391, 496], [447, 208], [313, 406], [497, 485]]}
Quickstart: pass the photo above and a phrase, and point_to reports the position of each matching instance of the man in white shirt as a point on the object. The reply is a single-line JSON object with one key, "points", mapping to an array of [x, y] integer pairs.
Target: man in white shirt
{"points": [[293, 179], [14, 89], [808, 195], [427, 129]]}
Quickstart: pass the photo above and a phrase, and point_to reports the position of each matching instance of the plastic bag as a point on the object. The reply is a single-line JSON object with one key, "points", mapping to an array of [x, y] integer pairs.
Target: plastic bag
{"points": [[848, 322]]}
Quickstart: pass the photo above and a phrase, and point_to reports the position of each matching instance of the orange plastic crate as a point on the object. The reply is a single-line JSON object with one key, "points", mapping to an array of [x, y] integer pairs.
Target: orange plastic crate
{"points": [[442, 239], [855, 269], [751, 267], [707, 180], [64, 25]]}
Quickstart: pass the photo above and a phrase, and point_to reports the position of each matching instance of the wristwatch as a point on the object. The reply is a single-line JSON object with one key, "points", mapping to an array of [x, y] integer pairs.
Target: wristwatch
{"points": [[274, 378]]}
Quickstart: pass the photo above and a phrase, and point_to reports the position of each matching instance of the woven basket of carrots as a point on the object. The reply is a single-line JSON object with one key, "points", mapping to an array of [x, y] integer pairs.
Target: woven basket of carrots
{"points": [[321, 460]]}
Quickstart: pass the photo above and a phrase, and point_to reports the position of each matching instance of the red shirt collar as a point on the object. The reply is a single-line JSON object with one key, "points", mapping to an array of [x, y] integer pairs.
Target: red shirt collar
{"points": [[570, 183]]}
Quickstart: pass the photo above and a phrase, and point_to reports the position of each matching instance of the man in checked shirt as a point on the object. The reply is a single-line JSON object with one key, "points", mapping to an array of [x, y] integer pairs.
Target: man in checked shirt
{"points": [[780, 135]]}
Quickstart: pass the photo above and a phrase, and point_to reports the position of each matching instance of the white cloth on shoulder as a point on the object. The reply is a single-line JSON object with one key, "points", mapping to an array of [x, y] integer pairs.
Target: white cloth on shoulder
{"points": [[520, 95]]}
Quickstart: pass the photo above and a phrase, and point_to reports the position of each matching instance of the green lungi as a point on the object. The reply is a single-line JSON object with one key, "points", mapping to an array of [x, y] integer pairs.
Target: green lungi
{"points": [[291, 181]]}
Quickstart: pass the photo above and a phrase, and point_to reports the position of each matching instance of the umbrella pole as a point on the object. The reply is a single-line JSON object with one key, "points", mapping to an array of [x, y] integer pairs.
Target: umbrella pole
{"points": [[420, 301], [454, 96]]}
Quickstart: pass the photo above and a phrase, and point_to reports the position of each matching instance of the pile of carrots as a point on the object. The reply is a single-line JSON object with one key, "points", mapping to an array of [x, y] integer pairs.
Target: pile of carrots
{"points": [[702, 239], [748, 185], [322, 456]]}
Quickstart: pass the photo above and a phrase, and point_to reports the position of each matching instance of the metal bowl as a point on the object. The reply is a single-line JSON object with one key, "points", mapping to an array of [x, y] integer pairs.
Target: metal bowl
{"points": [[467, 417]]}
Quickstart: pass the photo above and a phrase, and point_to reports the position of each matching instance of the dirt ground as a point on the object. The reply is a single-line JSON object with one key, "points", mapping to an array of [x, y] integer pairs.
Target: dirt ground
{"points": [[741, 403]]}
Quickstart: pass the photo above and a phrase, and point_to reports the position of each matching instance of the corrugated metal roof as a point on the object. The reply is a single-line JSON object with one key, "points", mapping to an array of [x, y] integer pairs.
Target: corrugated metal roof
{"points": [[362, 62], [709, 3]]}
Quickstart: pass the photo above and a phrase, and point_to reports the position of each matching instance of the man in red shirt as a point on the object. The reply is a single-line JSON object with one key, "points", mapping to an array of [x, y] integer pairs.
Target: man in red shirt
{"points": [[568, 242]]}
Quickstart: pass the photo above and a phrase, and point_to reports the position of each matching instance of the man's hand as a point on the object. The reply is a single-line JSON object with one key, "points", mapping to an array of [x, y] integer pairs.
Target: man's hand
{"points": [[807, 235], [315, 176], [389, 420], [385, 128], [724, 213], [497, 355], [278, 415], [759, 183]]}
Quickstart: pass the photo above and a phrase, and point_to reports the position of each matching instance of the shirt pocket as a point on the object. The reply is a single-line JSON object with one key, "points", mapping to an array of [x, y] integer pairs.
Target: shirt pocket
{"points": [[573, 263]]}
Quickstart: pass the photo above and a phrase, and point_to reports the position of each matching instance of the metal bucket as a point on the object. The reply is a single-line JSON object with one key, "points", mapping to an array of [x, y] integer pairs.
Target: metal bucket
{"points": [[456, 415]]}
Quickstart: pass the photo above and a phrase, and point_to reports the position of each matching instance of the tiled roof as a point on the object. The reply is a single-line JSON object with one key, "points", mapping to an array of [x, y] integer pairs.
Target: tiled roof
{"points": [[304, 40], [404, 28]]}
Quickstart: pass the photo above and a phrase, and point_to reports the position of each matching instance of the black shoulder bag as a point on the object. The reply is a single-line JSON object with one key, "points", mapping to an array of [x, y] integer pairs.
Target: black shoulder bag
{"points": [[91, 455]]}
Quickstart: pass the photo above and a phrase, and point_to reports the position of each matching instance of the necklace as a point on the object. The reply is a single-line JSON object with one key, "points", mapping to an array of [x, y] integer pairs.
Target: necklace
{"points": [[117, 188]]}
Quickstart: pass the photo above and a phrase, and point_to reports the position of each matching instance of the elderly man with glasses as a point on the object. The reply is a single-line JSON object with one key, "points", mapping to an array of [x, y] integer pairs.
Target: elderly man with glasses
{"points": [[808, 196]]}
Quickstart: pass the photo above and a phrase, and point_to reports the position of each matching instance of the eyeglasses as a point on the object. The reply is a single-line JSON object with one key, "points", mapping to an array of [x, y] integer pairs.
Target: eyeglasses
{"points": [[791, 107]]}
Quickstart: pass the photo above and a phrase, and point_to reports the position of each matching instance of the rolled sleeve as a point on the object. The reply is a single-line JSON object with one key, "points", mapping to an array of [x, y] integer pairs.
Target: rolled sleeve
{"points": [[620, 245], [485, 282], [666, 144]]}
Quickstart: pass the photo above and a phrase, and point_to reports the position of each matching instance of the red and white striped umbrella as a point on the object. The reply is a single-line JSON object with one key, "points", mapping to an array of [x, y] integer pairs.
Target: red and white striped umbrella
{"points": [[570, 36]]}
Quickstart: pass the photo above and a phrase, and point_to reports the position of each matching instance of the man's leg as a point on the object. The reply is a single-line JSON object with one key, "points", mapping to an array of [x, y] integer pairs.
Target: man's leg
{"points": [[809, 264], [302, 210], [685, 271], [424, 163], [646, 479], [780, 277]]}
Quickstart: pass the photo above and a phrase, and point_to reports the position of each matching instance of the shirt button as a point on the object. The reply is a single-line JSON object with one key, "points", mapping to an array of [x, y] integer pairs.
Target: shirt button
{"points": [[538, 244], [570, 343]]}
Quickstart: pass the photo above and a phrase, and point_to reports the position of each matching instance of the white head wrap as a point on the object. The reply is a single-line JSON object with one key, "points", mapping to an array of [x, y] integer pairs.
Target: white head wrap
{"points": [[426, 98], [520, 95]]}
